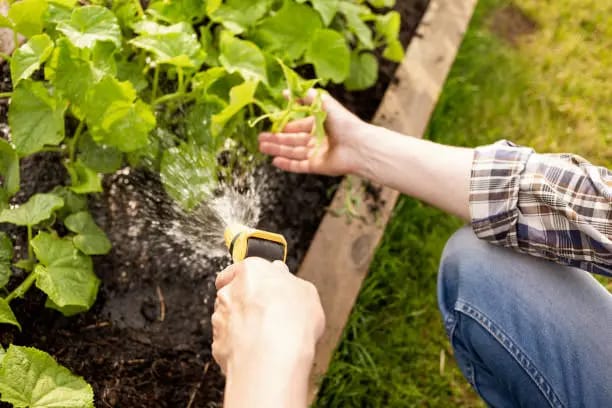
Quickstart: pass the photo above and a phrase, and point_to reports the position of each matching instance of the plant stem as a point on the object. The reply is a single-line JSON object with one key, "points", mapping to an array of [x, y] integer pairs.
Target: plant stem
{"points": [[171, 97], [16, 39], [139, 8], [181, 80], [6, 94], [5, 56], [20, 290], [72, 144], [155, 83], [30, 249], [27, 283]]}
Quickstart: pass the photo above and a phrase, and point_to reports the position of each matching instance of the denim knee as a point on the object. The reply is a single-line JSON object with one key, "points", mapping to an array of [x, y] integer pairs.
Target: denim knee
{"points": [[460, 256]]}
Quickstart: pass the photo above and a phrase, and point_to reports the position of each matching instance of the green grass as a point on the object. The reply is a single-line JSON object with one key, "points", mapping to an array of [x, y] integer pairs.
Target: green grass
{"points": [[551, 92]]}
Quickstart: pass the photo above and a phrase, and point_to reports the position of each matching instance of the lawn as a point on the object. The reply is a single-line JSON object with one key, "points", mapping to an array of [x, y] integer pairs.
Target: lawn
{"points": [[548, 88]]}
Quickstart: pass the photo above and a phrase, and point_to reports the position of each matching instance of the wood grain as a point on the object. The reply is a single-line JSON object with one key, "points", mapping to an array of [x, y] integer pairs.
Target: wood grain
{"points": [[340, 254]]}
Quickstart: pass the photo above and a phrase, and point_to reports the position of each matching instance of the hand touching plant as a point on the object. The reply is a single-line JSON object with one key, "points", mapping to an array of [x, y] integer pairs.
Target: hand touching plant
{"points": [[265, 327], [297, 149]]}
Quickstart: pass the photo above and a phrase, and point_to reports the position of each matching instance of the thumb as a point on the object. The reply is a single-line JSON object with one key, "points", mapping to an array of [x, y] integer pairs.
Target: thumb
{"points": [[308, 99]]}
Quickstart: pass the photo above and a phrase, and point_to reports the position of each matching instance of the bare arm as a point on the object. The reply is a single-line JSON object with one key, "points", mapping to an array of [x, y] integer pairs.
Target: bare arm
{"points": [[265, 327], [437, 174], [555, 207]]}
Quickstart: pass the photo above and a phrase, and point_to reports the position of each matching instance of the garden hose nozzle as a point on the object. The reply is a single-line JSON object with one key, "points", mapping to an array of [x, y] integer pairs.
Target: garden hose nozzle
{"points": [[244, 242]]}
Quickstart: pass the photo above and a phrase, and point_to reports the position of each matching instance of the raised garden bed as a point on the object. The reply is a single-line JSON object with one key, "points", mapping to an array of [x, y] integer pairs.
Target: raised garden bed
{"points": [[146, 341]]}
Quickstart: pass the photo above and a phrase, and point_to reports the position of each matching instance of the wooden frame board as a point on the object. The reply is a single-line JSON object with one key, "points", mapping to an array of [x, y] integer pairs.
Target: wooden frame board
{"points": [[340, 254]]}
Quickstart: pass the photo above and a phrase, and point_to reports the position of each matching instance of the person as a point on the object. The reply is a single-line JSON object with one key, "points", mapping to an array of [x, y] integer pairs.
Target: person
{"points": [[528, 325]]}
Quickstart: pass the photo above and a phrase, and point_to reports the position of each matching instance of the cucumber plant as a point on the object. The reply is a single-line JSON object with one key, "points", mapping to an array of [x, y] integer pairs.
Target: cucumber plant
{"points": [[107, 84]]}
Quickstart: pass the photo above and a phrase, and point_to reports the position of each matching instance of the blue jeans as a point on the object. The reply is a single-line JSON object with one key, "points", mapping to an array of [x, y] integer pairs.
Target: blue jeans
{"points": [[525, 332]]}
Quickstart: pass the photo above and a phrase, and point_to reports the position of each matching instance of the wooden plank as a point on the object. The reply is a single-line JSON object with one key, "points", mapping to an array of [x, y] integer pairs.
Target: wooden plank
{"points": [[340, 254]]}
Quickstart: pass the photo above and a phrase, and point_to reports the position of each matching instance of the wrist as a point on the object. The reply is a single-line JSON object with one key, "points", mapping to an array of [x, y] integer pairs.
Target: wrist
{"points": [[363, 145], [273, 376]]}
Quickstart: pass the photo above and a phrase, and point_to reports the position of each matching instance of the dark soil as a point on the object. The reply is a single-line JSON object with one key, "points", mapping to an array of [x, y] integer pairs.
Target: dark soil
{"points": [[146, 342]]}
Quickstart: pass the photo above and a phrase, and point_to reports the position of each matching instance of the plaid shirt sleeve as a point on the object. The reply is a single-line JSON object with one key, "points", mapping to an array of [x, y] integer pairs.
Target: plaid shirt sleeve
{"points": [[553, 206]]}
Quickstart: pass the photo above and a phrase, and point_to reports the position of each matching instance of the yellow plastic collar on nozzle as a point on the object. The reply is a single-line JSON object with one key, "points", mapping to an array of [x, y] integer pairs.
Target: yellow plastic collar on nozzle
{"points": [[237, 240]]}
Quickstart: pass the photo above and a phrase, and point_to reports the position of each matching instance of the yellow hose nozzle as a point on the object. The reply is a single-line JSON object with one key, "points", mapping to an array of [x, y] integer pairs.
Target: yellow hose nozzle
{"points": [[244, 242]]}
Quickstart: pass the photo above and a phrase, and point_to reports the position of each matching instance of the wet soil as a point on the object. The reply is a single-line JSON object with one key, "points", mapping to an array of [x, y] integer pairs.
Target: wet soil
{"points": [[146, 342]]}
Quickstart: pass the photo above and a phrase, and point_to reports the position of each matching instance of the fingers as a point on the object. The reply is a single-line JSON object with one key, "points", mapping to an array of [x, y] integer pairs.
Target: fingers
{"points": [[295, 166], [290, 139], [289, 152], [300, 125], [226, 276], [281, 266], [309, 97]]}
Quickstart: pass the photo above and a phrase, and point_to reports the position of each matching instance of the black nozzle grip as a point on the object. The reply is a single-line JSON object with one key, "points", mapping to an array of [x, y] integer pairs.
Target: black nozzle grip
{"points": [[263, 248]]}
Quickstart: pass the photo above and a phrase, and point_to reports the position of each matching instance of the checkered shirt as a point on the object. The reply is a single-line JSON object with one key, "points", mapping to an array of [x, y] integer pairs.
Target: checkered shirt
{"points": [[553, 206]]}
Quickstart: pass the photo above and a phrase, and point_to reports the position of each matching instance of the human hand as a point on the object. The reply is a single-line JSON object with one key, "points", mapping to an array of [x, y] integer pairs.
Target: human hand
{"points": [[265, 316], [296, 150]]}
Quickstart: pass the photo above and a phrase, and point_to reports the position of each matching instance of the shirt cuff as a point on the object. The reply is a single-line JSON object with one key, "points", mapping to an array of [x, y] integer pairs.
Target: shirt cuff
{"points": [[494, 190]]}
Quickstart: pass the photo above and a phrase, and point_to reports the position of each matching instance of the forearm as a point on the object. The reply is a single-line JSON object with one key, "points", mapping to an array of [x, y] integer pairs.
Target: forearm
{"points": [[435, 173], [273, 381]]}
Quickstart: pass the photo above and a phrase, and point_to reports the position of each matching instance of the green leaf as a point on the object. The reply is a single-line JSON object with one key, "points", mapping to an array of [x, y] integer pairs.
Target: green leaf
{"points": [[25, 264], [240, 96], [204, 79], [126, 11], [73, 202], [64, 273], [6, 257], [289, 31], [297, 85], [353, 14], [105, 93], [243, 57], [83, 179], [174, 45], [100, 158], [59, 10], [197, 124], [231, 14], [9, 167], [27, 15], [37, 209], [389, 25], [90, 24], [126, 126], [115, 118], [330, 55], [364, 71], [71, 75], [32, 378], [29, 57], [103, 59], [36, 118], [382, 3], [176, 11], [131, 71], [6, 314], [394, 51], [4, 199], [90, 239], [326, 8], [188, 173], [212, 6]]}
